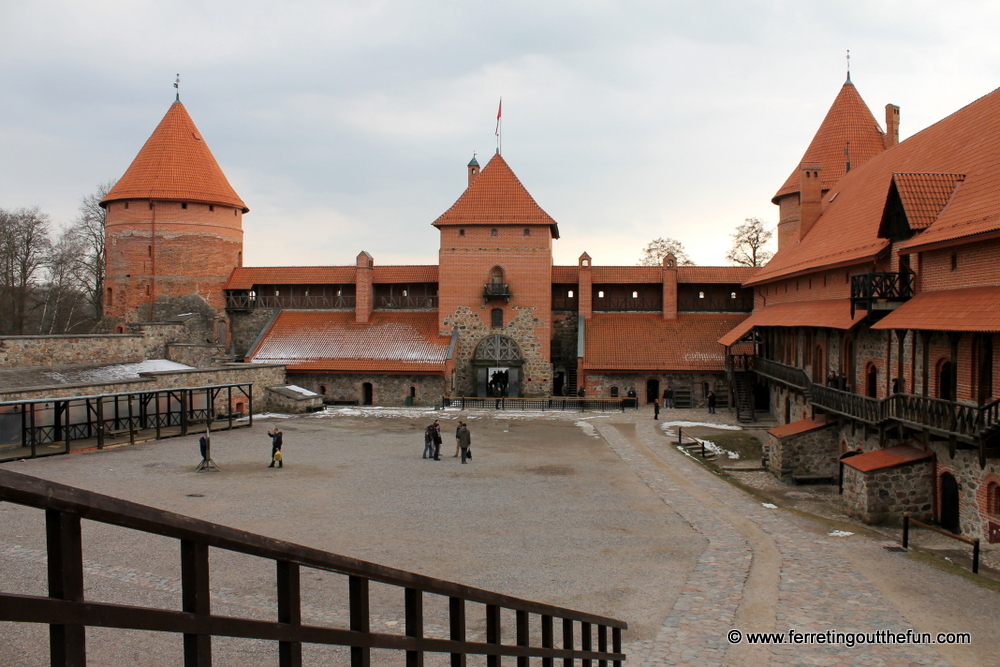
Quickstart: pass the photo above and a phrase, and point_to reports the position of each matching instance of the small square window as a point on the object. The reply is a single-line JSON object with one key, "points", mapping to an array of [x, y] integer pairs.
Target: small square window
{"points": [[184, 204], [461, 232], [527, 232], [493, 232]]}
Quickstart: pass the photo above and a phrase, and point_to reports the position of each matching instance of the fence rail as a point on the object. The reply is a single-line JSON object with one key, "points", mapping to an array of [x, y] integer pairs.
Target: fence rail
{"points": [[67, 612], [558, 403]]}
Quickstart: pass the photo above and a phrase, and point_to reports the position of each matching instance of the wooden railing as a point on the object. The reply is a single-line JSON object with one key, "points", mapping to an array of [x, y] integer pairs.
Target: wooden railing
{"points": [[869, 288], [789, 375], [560, 403], [67, 613], [857, 406], [405, 302], [625, 303], [247, 302], [713, 304]]}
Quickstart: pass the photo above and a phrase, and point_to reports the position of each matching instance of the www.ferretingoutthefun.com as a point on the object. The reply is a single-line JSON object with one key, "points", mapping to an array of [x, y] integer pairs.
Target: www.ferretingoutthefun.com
{"points": [[849, 639]]}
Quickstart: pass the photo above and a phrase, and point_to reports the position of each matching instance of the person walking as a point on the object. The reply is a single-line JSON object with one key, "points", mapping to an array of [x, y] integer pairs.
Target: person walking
{"points": [[656, 409], [464, 441], [711, 402], [428, 442], [458, 444], [668, 397], [436, 438], [276, 441]]}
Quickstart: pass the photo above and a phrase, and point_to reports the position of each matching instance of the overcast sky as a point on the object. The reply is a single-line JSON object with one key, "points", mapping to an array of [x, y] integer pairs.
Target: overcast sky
{"points": [[346, 126]]}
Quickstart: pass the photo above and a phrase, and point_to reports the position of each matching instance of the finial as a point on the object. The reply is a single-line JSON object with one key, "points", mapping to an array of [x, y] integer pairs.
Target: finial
{"points": [[848, 66], [177, 86]]}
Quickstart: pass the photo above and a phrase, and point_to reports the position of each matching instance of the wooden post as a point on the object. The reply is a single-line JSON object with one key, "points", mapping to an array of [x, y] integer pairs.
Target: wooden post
{"points": [[195, 600], [67, 643], [289, 611], [568, 640], [492, 632], [602, 643], [587, 642], [906, 529], [522, 635], [547, 639], [414, 602], [616, 644], [975, 556], [361, 656], [456, 621]]}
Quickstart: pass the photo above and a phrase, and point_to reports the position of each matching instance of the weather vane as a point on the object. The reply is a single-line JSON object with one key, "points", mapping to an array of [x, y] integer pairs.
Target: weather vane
{"points": [[177, 86], [848, 65]]}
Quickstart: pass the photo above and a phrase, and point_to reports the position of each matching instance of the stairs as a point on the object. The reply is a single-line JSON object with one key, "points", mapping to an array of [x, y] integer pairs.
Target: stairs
{"points": [[571, 380], [743, 398], [682, 397]]}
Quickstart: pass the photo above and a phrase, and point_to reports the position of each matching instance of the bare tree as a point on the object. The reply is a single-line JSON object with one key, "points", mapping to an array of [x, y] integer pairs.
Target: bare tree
{"points": [[88, 231], [657, 249], [63, 302], [24, 247], [749, 240]]}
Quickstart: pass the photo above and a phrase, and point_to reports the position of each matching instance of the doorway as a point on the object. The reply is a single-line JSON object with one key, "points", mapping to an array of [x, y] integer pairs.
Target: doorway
{"points": [[945, 381], [871, 381], [652, 390], [366, 393], [949, 504]]}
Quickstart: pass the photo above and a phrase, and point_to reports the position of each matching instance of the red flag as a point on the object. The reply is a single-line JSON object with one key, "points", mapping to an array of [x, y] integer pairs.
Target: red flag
{"points": [[499, 110]]}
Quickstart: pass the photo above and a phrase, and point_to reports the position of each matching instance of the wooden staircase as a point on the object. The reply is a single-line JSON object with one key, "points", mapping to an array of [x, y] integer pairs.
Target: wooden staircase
{"points": [[743, 397]]}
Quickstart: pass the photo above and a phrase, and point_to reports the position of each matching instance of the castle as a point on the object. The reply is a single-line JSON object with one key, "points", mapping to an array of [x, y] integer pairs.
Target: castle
{"points": [[493, 307]]}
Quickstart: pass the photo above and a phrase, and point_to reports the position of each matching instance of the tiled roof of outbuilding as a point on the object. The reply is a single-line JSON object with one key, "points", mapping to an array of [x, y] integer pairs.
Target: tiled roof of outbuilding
{"points": [[848, 120], [890, 457], [332, 341], [496, 197], [966, 142], [175, 164], [647, 342]]}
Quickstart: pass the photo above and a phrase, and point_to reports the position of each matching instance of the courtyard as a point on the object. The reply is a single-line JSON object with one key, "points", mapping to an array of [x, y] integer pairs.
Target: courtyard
{"points": [[599, 513]]}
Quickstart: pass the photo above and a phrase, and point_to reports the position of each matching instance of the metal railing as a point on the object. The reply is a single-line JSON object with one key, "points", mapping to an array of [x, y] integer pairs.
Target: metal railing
{"points": [[560, 403], [496, 291], [67, 613]]}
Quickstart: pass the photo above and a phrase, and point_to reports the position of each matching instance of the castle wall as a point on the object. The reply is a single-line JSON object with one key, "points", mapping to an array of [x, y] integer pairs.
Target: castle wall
{"points": [[386, 389]]}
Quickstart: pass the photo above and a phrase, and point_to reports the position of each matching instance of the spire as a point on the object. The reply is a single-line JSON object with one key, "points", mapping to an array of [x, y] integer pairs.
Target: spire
{"points": [[848, 68], [849, 120], [496, 197], [177, 87], [175, 164]]}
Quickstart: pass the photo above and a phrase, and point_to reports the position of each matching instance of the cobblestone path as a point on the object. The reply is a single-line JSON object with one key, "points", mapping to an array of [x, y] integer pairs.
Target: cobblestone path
{"points": [[817, 590]]}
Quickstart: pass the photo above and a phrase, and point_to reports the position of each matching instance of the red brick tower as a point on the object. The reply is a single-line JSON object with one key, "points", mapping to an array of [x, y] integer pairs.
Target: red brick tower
{"points": [[174, 227], [495, 277], [848, 137]]}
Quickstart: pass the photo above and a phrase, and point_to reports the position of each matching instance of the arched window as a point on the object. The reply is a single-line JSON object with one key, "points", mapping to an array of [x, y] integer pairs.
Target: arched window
{"points": [[413, 392], [993, 498], [527, 232], [322, 389], [614, 392], [945, 380], [110, 295], [496, 276], [569, 294], [871, 380]]}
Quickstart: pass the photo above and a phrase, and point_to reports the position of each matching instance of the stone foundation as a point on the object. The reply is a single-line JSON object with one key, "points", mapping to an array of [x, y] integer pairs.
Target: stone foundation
{"points": [[386, 389], [814, 452]]}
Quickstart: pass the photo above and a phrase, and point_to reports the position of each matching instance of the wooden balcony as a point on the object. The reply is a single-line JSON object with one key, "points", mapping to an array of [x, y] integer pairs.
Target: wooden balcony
{"points": [[880, 291], [406, 302], [251, 302]]}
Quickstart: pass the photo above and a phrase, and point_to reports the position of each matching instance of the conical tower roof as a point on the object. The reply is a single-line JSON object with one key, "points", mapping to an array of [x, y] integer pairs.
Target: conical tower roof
{"points": [[848, 120], [496, 197], [175, 164]]}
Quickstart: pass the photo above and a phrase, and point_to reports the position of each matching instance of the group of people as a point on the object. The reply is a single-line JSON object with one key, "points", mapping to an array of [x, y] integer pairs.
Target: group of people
{"points": [[498, 383], [432, 442]]}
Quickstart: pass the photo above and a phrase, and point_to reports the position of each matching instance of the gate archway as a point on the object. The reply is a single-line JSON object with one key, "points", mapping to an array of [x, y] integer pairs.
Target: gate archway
{"points": [[497, 363]]}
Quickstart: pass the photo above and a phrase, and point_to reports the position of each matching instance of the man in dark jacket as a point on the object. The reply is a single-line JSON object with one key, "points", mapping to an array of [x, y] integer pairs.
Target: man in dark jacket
{"points": [[275, 434], [668, 397], [464, 440]]}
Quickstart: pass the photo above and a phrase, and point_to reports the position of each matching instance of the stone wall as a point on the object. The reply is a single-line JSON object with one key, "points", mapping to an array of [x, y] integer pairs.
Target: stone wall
{"points": [[386, 389], [73, 349], [245, 327], [814, 452], [261, 376], [881, 496], [198, 356], [972, 482], [598, 385], [536, 373], [797, 406]]}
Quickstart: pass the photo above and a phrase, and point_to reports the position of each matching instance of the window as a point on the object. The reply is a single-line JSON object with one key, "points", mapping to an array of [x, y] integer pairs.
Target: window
{"points": [[461, 232], [614, 392], [126, 204], [635, 295], [493, 232], [496, 318], [701, 295], [954, 261], [569, 294], [235, 213], [993, 498], [110, 294], [322, 389], [149, 251], [211, 208], [184, 204], [496, 276], [732, 295], [600, 294], [527, 232]]}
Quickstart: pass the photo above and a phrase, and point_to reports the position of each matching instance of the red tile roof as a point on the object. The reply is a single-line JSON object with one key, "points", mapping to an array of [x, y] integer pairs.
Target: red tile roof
{"points": [[565, 274], [716, 274], [331, 341], [175, 164], [924, 195], [890, 457], [968, 309], [966, 142], [848, 120], [802, 426], [496, 197], [626, 274], [248, 276], [647, 342], [832, 313]]}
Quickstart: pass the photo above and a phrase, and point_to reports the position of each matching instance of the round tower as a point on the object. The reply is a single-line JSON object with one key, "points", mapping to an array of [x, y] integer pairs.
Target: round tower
{"points": [[174, 227]]}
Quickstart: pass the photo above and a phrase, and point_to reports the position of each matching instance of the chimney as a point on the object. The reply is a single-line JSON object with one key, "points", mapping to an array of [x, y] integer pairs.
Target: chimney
{"points": [[811, 196], [473, 169], [670, 287], [365, 299], [585, 302], [891, 125]]}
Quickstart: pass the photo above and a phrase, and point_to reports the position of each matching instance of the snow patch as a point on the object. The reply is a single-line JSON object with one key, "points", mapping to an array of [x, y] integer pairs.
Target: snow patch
{"points": [[587, 428], [840, 533], [724, 427], [770, 506], [299, 390]]}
